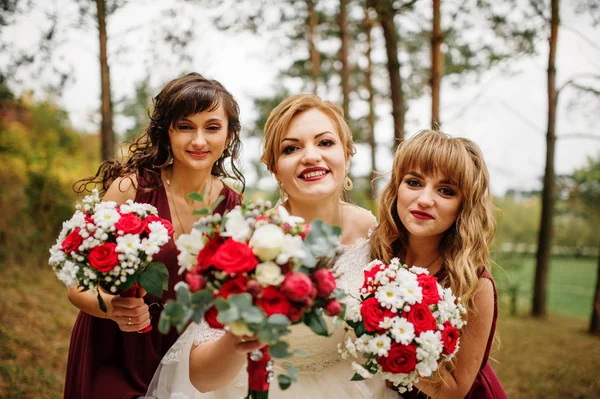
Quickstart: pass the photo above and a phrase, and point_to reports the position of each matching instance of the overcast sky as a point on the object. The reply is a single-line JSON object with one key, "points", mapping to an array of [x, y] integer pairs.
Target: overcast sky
{"points": [[505, 113]]}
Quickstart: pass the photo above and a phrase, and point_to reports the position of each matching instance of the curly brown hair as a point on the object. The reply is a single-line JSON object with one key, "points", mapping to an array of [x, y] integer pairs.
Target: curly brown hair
{"points": [[151, 152]]}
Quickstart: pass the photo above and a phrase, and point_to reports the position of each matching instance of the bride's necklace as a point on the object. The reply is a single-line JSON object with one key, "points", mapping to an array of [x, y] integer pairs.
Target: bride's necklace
{"points": [[168, 181]]}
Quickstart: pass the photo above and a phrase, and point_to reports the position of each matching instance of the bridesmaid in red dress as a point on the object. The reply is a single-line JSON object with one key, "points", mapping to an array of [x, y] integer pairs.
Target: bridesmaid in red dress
{"points": [[436, 212], [193, 131]]}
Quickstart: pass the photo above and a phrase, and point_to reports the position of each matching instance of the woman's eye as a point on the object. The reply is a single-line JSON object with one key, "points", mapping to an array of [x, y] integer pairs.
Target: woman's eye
{"points": [[413, 182], [183, 127], [289, 149], [214, 128], [447, 191], [327, 143]]}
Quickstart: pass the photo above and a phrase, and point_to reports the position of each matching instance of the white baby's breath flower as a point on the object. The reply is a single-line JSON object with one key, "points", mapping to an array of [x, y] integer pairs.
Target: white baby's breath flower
{"points": [[419, 270], [351, 347], [269, 273], [159, 234], [68, 274]]}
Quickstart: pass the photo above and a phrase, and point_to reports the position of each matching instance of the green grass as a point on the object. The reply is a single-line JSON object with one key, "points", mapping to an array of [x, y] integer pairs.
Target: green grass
{"points": [[571, 283]]}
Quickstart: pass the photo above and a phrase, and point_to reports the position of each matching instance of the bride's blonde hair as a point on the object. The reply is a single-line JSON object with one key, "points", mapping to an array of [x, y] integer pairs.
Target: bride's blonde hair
{"points": [[465, 245]]}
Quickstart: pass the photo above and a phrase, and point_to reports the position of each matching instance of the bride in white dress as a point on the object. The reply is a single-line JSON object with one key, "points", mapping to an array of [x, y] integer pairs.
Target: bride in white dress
{"points": [[308, 146]]}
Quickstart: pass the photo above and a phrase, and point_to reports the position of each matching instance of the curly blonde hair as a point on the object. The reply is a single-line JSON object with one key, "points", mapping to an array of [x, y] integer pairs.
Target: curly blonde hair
{"points": [[465, 245], [281, 116]]}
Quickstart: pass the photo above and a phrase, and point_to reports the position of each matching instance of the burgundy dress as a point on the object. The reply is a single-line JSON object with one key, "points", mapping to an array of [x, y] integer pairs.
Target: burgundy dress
{"points": [[486, 384], [105, 362]]}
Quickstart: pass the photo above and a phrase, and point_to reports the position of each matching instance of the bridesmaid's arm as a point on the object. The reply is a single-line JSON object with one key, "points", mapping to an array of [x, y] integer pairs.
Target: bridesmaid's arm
{"points": [[215, 364], [473, 341], [118, 309]]}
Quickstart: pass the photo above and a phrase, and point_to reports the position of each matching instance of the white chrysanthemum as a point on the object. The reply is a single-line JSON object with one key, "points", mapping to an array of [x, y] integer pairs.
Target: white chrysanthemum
{"points": [[287, 218], [159, 234], [150, 247], [362, 343], [402, 381], [236, 226], [386, 324], [380, 345], [431, 343], [105, 217], [403, 275], [68, 274], [186, 260], [426, 366], [402, 330], [390, 296], [360, 370], [191, 243], [268, 273], [410, 291], [77, 220], [419, 270], [140, 209], [128, 244], [352, 309]]}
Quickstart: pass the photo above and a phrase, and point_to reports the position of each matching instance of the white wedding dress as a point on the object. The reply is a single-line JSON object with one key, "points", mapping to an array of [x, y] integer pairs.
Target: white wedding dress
{"points": [[322, 372]]}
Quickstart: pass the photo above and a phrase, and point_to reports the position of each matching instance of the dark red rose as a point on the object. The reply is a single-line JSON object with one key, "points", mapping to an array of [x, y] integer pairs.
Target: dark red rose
{"points": [[196, 282], [72, 241], [272, 301], [296, 312], [450, 336], [130, 223], [206, 254], [372, 314], [333, 307], [211, 317], [153, 218], [400, 359], [103, 257], [254, 288], [325, 282], [369, 277], [429, 287], [235, 285], [298, 287], [234, 258], [421, 318]]}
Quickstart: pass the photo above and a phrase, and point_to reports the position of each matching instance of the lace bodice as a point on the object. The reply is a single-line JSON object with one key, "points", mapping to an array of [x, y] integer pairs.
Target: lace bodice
{"points": [[321, 352]]}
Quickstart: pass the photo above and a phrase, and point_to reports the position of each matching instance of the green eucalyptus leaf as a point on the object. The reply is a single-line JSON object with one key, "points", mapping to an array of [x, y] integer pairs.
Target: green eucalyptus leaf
{"points": [[315, 321], [174, 311], [292, 372], [240, 301], [280, 350], [195, 196], [215, 204], [164, 323], [253, 315], [339, 294], [221, 304], [197, 315], [265, 336], [228, 315], [202, 299], [278, 320], [183, 296], [201, 211], [284, 381]]}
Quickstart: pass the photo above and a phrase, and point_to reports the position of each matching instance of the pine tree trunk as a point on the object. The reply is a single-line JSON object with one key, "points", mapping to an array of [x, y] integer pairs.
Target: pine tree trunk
{"points": [[345, 71], [315, 57], [545, 233], [107, 135], [368, 25], [595, 321], [385, 14], [436, 65]]}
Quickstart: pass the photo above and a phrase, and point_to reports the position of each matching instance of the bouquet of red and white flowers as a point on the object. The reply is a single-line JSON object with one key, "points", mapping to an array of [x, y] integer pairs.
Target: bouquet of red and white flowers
{"points": [[110, 246], [405, 324], [256, 271]]}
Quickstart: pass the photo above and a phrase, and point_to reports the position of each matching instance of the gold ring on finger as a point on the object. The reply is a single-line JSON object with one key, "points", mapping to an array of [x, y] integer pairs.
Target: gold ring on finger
{"points": [[129, 323]]}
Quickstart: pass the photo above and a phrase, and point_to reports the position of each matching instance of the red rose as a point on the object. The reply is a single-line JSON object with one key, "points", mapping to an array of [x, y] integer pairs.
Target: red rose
{"points": [[130, 223], [272, 301], [153, 218], [298, 287], [369, 277], [196, 282], [450, 337], [103, 257], [325, 282], [72, 241], [400, 359], [296, 312], [372, 314], [333, 307], [421, 318], [235, 285], [429, 287], [210, 316], [205, 255], [234, 257]]}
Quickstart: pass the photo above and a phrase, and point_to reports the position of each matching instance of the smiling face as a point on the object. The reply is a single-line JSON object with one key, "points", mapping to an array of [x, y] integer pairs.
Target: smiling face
{"points": [[312, 161], [198, 140], [427, 204]]}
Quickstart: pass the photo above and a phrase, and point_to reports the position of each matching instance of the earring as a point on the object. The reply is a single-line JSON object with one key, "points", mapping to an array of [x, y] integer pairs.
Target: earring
{"points": [[348, 184], [282, 193]]}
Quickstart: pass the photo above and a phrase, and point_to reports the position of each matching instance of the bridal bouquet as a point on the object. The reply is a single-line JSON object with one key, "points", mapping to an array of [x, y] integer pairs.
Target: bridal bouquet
{"points": [[405, 324], [255, 272], [109, 246]]}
